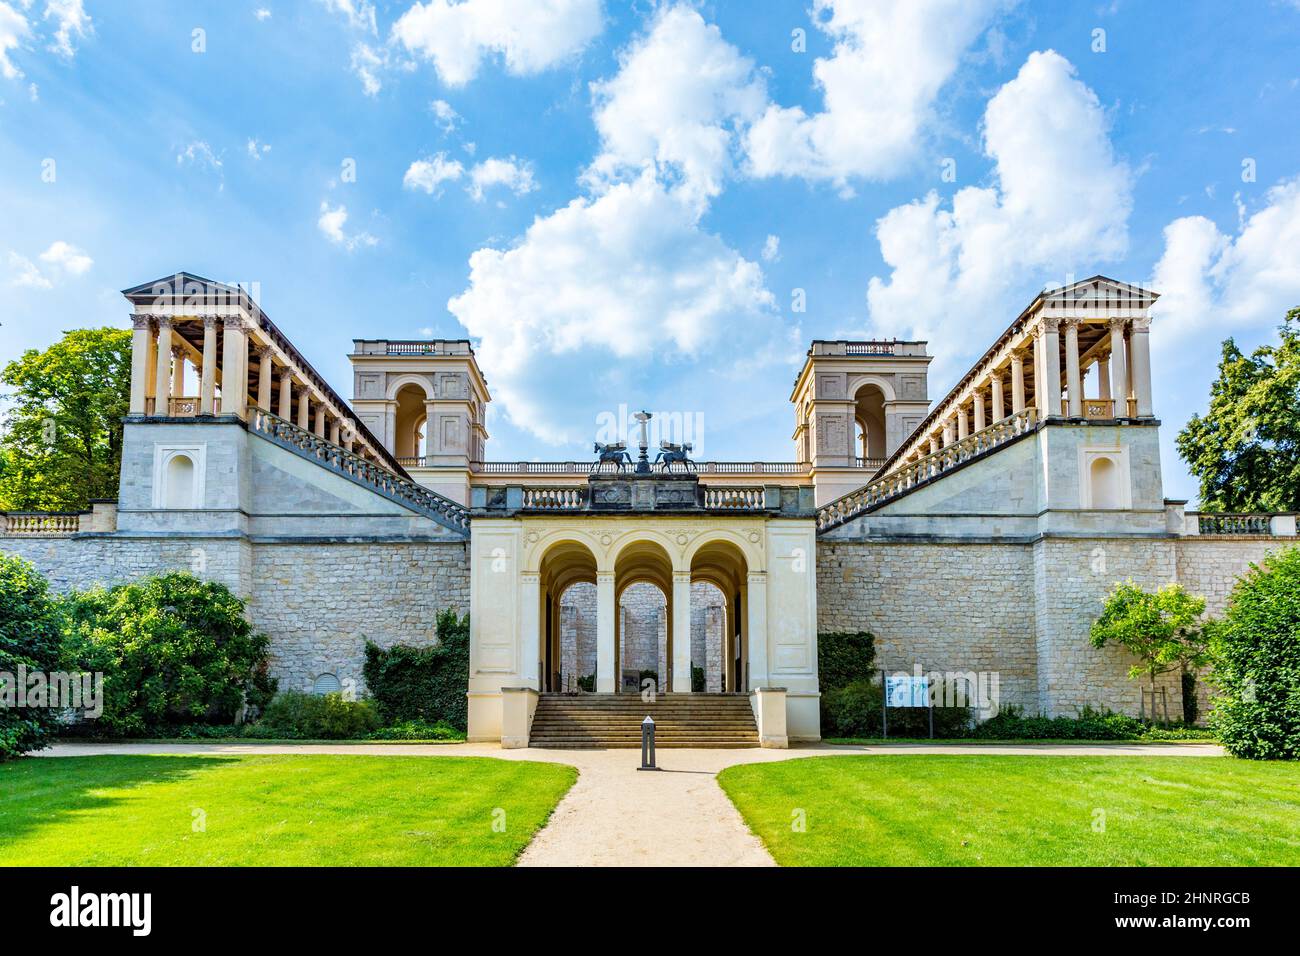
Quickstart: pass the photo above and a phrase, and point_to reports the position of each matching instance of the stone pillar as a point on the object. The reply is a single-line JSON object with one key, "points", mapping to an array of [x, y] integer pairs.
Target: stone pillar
{"points": [[234, 374], [162, 370], [304, 409], [681, 632], [947, 432], [934, 444], [208, 377], [1017, 384], [264, 377], [1118, 368], [334, 431], [1103, 377], [1139, 340], [1073, 380], [756, 639], [962, 429], [320, 421], [1039, 402], [530, 623], [605, 611], [1052, 364], [178, 371], [141, 341], [979, 410], [999, 411], [286, 394]]}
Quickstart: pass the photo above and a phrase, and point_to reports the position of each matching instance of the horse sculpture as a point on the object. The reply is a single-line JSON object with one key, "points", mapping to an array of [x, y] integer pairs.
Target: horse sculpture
{"points": [[670, 454], [615, 453]]}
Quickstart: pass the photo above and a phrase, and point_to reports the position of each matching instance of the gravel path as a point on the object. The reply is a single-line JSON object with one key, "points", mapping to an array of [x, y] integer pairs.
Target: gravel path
{"points": [[616, 815]]}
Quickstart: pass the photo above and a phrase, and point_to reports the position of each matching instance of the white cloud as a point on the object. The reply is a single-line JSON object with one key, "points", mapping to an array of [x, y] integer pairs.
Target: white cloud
{"points": [[430, 174], [625, 275], [367, 64], [530, 35], [772, 249], [331, 222], [71, 21], [262, 13], [65, 256], [359, 14], [23, 273], [199, 153], [257, 149], [674, 106], [445, 115], [1209, 279], [879, 86], [14, 28], [511, 173], [1060, 207]]}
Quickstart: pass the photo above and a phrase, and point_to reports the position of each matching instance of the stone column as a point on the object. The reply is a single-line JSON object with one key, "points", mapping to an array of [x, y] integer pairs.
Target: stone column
{"points": [[934, 444], [1073, 380], [999, 412], [320, 421], [286, 394], [264, 377], [756, 639], [962, 430], [334, 431], [1039, 402], [1139, 341], [979, 410], [162, 378], [1103, 377], [1017, 384], [681, 632], [605, 611], [234, 373], [304, 409], [1052, 364], [947, 432], [530, 622], [178, 371], [1118, 368], [208, 378], [141, 340]]}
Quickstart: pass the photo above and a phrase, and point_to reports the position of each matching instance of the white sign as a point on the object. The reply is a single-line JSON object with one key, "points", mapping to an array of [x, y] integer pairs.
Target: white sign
{"points": [[907, 690]]}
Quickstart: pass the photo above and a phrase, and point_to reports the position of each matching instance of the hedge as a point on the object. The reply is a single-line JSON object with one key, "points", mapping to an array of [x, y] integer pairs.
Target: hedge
{"points": [[424, 684], [30, 637]]}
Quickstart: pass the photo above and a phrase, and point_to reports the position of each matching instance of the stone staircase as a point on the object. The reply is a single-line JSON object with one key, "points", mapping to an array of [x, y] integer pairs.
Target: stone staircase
{"points": [[606, 721]]}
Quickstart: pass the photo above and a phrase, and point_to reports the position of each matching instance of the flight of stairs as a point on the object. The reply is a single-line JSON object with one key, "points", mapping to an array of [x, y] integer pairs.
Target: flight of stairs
{"points": [[605, 721]]}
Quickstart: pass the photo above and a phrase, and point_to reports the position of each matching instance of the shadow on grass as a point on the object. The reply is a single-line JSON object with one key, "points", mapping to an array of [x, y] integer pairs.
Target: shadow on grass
{"points": [[38, 791]]}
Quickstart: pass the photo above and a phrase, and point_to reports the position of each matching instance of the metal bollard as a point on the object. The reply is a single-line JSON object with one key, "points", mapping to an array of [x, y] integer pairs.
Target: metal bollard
{"points": [[648, 744]]}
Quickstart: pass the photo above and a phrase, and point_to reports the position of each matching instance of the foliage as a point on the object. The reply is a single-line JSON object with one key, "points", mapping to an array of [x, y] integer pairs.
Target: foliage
{"points": [[423, 683], [843, 658], [1246, 450], [1256, 650], [587, 684], [30, 636], [1162, 630], [697, 680], [294, 715], [62, 445], [418, 730], [1011, 723], [173, 649]]}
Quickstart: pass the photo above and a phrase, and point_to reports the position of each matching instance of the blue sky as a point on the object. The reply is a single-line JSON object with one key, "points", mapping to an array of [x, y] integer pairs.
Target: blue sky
{"points": [[622, 202]]}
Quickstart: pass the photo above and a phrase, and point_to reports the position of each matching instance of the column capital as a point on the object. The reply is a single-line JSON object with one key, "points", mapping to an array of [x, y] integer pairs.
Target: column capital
{"points": [[1141, 324], [262, 351], [1051, 323], [1118, 325], [757, 577], [681, 577], [164, 321], [234, 323], [1071, 322], [995, 377], [604, 577], [209, 320], [142, 322]]}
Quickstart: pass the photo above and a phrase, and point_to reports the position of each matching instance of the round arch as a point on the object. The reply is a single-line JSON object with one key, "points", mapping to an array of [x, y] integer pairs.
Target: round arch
{"points": [[410, 378], [561, 563], [723, 561]]}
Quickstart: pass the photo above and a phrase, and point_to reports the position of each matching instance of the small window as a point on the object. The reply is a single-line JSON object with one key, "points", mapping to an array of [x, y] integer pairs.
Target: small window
{"points": [[180, 482], [1103, 477], [326, 684]]}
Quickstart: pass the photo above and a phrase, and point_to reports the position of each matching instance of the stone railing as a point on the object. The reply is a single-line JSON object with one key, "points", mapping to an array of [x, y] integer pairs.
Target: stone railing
{"points": [[906, 477], [367, 473], [32, 524], [870, 464], [555, 499], [1234, 524], [587, 467], [734, 499]]}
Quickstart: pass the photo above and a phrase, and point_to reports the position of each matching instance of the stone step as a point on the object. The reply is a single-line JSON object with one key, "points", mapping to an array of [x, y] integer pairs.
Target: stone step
{"points": [[609, 721]]}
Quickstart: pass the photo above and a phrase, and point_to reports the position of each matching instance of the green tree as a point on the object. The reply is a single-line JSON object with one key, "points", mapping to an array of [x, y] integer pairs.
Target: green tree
{"points": [[62, 443], [1246, 450], [1256, 648], [1161, 629], [30, 636]]}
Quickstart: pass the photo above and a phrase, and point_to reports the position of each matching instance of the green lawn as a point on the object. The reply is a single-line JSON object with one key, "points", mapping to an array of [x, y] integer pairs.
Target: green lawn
{"points": [[977, 810], [319, 810]]}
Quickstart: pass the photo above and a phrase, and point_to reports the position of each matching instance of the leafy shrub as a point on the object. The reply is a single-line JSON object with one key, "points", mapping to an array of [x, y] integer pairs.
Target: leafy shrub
{"points": [[30, 636], [697, 680], [843, 658], [587, 684], [423, 683], [298, 716], [418, 730], [1010, 723], [1256, 649], [173, 649]]}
